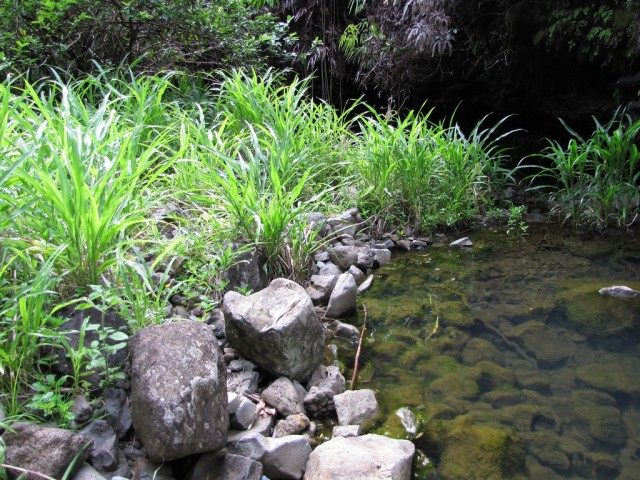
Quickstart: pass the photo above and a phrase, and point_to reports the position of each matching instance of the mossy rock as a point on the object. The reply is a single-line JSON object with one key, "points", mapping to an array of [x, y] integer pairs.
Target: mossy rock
{"points": [[614, 374], [472, 451], [595, 314], [388, 348], [545, 446], [478, 349], [524, 416], [490, 375], [549, 346], [419, 351], [455, 314], [605, 423], [437, 367], [393, 310], [402, 393], [457, 385]]}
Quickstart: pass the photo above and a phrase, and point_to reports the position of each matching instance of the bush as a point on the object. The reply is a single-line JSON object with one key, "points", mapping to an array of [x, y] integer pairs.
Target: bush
{"points": [[192, 34]]}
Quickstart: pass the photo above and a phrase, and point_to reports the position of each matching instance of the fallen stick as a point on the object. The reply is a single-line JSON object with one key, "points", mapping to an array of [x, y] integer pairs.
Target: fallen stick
{"points": [[356, 365]]}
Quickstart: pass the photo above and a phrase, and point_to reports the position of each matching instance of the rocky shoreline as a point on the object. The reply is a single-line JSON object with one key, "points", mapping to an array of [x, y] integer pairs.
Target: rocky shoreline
{"points": [[243, 395]]}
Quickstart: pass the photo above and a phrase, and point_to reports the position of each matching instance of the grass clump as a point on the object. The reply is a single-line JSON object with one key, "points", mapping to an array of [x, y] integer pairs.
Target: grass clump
{"points": [[595, 182], [413, 171]]}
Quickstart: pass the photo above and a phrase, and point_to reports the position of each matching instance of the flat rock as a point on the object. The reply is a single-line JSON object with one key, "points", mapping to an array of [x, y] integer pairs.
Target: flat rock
{"points": [[364, 286], [343, 297], [276, 328], [45, 450], [462, 242], [178, 390], [356, 407], [371, 457]]}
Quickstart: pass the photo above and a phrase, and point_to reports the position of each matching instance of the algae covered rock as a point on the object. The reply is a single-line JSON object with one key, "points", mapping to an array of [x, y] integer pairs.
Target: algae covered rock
{"points": [[470, 450], [613, 374], [549, 346], [582, 305], [478, 349]]}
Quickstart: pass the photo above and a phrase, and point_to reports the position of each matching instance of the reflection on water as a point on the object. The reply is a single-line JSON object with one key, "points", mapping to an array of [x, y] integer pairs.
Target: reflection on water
{"points": [[512, 363]]}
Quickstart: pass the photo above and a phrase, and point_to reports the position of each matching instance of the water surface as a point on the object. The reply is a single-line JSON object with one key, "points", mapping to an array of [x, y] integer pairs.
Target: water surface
{"points": [[512, 363]]}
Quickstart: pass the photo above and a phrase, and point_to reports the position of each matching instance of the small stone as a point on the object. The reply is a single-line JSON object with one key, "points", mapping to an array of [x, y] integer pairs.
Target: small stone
{"points": [[283, 396], [81, 409], [248, 444], [325, 383], [104, 452], [343, 297], [619, 291], [237, 467], [242, 382], [346, 431], [462, 242], [404, 245], [347, 331], [241, 365], [244, 414], [381, 256], [323, 285], [344, 256], [321, 256], [116, 405], [358, 275], [145, 469], [365, 285], [292, 425], [87, 472], [356, 407], [328, 268]]}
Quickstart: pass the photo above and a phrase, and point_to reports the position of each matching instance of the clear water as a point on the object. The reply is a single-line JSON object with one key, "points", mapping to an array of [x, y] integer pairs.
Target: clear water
{"points": [[512, 363]]}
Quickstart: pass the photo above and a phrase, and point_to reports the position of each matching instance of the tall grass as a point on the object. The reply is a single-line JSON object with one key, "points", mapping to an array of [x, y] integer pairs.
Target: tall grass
{"points": [[413, 171], [86, 165], [595, 182]]}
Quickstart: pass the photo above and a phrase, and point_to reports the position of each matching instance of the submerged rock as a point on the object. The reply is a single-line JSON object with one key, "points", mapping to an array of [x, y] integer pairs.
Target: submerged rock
{"points": [[178, 390], [371, 457], [549, 346], [465, 446], [276, 328], [613, 374]]}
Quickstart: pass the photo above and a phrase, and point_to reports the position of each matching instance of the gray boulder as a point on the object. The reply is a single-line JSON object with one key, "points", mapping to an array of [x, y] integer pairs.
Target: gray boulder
{"points": [[321, 286], [247, 271], [364, 286], [325, 383], [44, 450], [116, 405], [243, 414], [286, 457], [356, 407], [283, 395], [328, 268], [381, 256], [178, 390], [373, 457], [282, 458], [344, 295], [276, 328], [237, 467], [358, 275], [81, 409], [344, 256]]}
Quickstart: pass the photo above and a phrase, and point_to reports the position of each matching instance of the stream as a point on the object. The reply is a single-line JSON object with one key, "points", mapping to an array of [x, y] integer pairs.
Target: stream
{"points": [[503, 361]]}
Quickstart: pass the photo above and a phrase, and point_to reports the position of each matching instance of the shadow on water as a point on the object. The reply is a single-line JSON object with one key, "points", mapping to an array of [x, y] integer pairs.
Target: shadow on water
{"points": [[511, 362]]}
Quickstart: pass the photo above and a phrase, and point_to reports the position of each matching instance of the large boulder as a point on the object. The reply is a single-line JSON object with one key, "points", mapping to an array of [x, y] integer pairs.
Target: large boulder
{"points": [[373, 457], [276, 328], [178, 390], [44, 450]]}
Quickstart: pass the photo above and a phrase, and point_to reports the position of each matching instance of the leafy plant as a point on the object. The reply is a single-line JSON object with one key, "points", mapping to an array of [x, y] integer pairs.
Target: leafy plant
{"points": [[516, 224]]}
